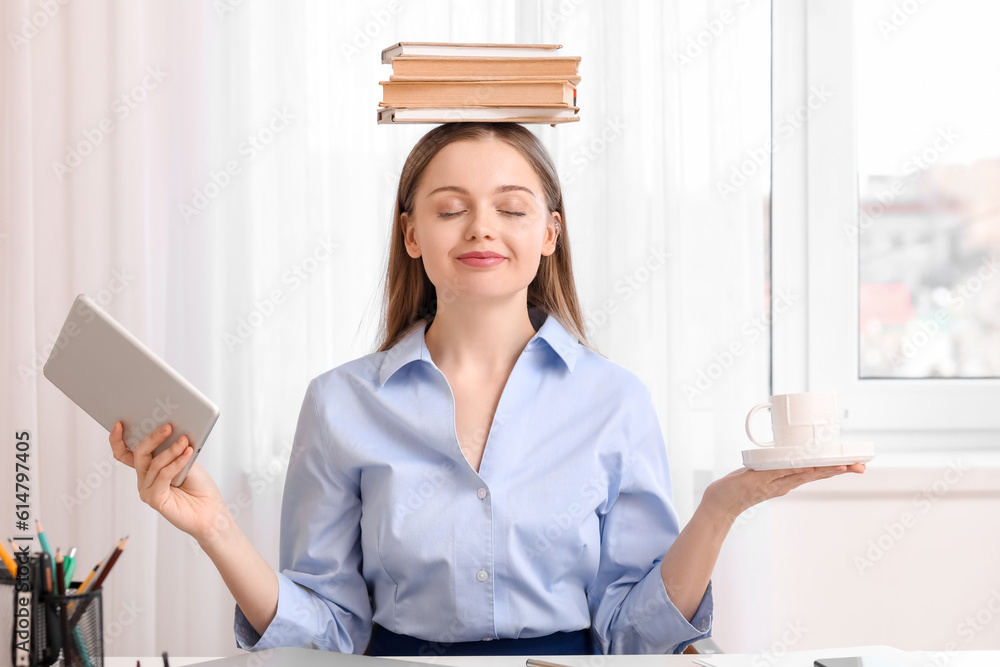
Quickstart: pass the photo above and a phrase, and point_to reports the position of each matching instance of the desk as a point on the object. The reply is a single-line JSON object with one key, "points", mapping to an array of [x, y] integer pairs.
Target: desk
{"points": [[792, 659]]}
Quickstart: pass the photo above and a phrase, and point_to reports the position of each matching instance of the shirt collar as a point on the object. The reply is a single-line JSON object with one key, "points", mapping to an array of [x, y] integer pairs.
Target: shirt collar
{"points": [[413, 348]]}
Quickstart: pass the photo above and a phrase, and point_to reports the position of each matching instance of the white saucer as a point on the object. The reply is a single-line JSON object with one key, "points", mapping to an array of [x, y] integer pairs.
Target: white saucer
{"points": [[780, 458]]}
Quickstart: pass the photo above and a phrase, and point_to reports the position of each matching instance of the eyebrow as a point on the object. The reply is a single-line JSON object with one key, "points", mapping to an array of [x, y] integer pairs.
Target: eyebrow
{"points": [[499, 190]]}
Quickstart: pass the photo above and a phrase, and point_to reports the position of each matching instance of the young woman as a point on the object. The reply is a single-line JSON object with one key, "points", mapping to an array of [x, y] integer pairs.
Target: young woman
{"points": [[486, 481]]}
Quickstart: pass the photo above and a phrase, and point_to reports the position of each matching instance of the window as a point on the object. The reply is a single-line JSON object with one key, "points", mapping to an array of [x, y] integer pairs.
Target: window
{"points": [[896, 178]]}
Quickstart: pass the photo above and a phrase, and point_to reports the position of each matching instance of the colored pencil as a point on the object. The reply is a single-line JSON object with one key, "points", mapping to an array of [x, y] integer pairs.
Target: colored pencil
{"points": [[103, 574], [8, 560], [60, 573], [43, 539], [83, 586]]}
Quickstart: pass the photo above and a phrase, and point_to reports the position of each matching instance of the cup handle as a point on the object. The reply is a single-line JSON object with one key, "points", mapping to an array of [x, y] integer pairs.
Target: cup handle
{"points": [[747, 425]]}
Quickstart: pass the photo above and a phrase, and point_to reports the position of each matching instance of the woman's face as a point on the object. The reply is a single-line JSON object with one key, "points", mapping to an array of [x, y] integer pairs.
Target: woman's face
{"points": [[479, 196]]}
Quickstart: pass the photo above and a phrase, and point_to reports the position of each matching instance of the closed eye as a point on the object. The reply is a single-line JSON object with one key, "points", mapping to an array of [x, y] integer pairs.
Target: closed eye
{"points": [[451, 215]]}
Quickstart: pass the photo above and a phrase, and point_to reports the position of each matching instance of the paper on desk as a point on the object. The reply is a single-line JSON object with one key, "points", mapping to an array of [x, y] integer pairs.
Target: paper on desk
{"points": [[722, 661], [884, 655]]}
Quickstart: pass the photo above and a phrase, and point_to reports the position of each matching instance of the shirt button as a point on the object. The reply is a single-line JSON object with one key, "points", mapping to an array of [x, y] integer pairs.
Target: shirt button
{"points": [[481, 575], [481, 493]]}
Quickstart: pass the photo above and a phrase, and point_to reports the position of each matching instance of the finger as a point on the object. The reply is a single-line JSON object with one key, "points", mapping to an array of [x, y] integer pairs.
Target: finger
{"points": [[142, 454], [159, 491], [159, 486], [169, 472], [118, 447], [163, 460]]}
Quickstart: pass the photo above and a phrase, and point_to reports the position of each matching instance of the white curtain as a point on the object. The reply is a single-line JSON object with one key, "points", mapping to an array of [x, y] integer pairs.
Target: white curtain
{"points": [[213, 174]]}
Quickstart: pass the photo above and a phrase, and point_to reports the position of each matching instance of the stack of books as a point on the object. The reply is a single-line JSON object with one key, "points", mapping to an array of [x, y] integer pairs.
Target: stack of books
{"points": [[440, 82]]}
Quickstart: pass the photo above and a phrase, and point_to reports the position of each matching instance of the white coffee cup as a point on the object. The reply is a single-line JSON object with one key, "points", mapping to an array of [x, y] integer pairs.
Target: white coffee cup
{"points": [[800, 420]]}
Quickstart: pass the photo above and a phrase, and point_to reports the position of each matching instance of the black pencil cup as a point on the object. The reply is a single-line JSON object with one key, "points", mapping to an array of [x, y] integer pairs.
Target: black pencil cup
{"points": [[51, 629]]}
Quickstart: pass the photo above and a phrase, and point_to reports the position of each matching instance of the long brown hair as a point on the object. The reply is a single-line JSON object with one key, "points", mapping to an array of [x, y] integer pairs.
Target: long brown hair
{"points": [[410, 295]]}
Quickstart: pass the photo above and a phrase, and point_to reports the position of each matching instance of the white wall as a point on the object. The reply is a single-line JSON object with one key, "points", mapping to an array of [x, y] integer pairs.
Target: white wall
{"points": [[905, 557]]}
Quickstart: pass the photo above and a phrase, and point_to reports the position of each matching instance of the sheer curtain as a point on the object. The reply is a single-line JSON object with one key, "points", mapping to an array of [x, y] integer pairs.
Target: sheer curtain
{"points": [[212, 173]]}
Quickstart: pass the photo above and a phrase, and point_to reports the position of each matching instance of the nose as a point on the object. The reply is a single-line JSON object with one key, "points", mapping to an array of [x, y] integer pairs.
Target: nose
{"points": [[481, 223]]}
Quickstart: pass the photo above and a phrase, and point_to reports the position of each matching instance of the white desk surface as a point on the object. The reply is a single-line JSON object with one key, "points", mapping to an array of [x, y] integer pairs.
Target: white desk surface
{"points": [[895, 657]]}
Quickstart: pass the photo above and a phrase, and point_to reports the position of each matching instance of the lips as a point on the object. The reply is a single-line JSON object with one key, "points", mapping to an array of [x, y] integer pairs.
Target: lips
{"points": [[480, 255]]}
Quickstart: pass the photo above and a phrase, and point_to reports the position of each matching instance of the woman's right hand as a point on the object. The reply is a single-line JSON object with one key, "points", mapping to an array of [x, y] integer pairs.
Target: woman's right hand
{"points": [[196, 506]]}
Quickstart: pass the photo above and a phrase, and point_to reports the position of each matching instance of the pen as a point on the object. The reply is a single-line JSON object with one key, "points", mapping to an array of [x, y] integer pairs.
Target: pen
{"points": [[166, 663], [531, 662], [43, 539]]}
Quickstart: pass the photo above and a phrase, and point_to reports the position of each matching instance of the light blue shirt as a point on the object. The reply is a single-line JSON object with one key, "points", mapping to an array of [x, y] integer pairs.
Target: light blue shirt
{"points": [[563, 527]]}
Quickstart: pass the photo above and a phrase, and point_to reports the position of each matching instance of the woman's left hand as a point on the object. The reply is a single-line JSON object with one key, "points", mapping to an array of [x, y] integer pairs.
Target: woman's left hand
{"points": [[742, 489]]}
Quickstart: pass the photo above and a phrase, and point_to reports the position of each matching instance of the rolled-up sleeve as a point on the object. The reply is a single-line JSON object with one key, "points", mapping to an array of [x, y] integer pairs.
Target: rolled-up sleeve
{"points": [[631, 611], [323, 600]]}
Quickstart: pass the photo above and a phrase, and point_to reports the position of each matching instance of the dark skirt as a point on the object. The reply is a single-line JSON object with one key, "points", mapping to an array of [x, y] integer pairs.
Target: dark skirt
{"points": [[385, 642]]}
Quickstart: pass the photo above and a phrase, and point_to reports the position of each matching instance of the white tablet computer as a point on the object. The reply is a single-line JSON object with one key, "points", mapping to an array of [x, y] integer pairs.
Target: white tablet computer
{"points": [[109, 373]]}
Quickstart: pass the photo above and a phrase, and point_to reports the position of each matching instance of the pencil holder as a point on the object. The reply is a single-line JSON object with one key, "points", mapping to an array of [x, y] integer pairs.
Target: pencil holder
{"points": [[74, 630], [52, 629], [8, 624]]}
